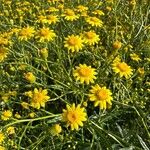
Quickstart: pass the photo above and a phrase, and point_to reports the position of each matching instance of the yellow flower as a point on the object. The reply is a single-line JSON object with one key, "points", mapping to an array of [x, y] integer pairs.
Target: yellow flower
{"points": [[2, 137], [6, 114], [81, 8], [55, 129], [3, 53], [10, 130], [38, 98], [90, 37], [98, 12], [41, 19], [73, 43], [45, 34], [121, 68], [117, 45], [70, 15], [30, 77], [101, 96], [26, 33], [51, 19], [84, 73], [135, 57], [94, 21], [74, 116]]}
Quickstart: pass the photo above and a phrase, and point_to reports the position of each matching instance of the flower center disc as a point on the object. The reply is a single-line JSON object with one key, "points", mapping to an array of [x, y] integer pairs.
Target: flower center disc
{"points": [[89, 35], [84, 72], [122, 67], [72, 42], [102, 95], [44, 33], [69, 13], [38, 97], [72, 117]]}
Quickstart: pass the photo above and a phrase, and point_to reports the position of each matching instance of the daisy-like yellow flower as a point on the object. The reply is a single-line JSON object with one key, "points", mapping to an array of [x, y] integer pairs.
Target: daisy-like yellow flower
{"points": [[94, 21], [6, 114], [84, 73], [91, 38], [70, 15], [101, 96], [74, 116], [10, 130], [135, 57], [45, 34], [38, 97], [41, 19], [121, 68], [2, 137], [26, 33], [81, 8], [52, 19], [3, 53], [73, 43]]}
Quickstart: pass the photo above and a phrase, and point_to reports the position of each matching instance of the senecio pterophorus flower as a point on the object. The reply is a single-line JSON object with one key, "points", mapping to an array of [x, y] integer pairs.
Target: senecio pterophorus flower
{"points": [[84, 73], [121, 68], [74, 116], [73, 43], [26, 33], [70, 15], [94, 21], [101, 96], [91, 38], [38, 97], [6, 114], [44, 34]]}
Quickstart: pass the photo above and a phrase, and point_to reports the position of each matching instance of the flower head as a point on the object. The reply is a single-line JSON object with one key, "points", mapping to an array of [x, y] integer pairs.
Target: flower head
{"points": [[121, 68], [94, 21], [26, 33], [6, 114], [74, 116], [73, 43], [45, 34], [52, 19], [101, 96], [38, 97], [81, 8], [90, 38], [84, 73], [10, 130], [70, 15], [135, 57]]}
